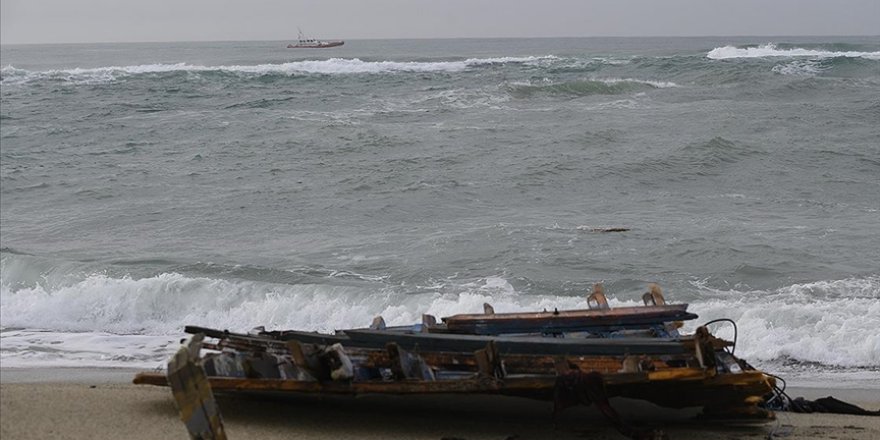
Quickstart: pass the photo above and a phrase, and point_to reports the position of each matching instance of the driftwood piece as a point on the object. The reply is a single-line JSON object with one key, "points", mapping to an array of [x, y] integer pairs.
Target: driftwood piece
{"points": [[608, 229], [192, 393]]}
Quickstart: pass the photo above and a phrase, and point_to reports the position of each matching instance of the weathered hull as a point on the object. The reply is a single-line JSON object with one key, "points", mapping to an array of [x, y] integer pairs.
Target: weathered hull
{"points": [[569, 357], [686, 388], [685, 372], [600, 320]]}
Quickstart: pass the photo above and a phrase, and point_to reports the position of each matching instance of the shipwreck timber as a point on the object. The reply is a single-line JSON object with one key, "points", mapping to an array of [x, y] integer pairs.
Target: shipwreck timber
{"points": [[565, 357]]}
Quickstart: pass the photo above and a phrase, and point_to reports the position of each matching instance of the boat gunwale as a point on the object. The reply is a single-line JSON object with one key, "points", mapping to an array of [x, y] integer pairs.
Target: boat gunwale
{"points": [[579, 313]]}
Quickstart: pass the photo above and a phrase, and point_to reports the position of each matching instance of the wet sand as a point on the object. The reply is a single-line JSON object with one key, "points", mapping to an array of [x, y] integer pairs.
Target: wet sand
{"points": [[101, 404]]}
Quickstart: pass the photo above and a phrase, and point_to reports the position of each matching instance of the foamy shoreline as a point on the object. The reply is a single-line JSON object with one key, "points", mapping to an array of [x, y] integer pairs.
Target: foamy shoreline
{"points": [[101, 403]]}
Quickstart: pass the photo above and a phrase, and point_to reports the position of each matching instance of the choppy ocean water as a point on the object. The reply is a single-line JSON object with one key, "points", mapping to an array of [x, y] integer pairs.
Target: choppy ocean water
{"points": [[149, 186]]}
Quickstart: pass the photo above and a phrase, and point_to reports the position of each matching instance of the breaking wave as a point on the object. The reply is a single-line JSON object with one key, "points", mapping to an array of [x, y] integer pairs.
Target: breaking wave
{"points": [[135, 322], [584, 87], [771, 50], [833, 323], [333, 66], [163, 304]]}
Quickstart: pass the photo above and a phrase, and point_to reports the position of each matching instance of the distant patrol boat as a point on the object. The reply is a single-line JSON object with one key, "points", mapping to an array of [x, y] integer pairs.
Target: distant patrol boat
{"points": [[311, 43]]}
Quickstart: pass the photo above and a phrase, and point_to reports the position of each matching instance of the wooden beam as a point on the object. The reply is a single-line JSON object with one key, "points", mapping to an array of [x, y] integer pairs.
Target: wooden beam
{"points": [[192, 393], [597, 299]]}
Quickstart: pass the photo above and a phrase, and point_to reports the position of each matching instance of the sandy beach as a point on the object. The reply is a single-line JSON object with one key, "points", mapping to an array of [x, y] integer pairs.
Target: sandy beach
{"points": [[102, 404]]}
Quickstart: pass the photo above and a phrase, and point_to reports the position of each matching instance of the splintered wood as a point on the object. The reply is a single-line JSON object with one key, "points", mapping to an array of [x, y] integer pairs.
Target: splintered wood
{"points": [[193, 395]]}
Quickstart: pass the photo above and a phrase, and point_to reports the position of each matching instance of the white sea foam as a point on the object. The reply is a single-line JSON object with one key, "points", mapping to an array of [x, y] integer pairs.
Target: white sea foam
{"points": [[547, 82], [532, 60], [42, 348], [771, 50], [827, 322], [455, 98], [163, 304], [612, 61], [333, 66], [655, 84], [329, 67], [798, 67], [103, 321]]}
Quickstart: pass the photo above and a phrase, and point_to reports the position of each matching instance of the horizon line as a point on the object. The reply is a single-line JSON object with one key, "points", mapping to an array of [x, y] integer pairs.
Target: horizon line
{"points": [[454, 38]]}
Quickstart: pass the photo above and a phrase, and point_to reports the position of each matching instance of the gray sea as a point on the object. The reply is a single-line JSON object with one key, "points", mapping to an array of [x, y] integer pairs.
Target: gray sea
{"points": [[235, 184]]}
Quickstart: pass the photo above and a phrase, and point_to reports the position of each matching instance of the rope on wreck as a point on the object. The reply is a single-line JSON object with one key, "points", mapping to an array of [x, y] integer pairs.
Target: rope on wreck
{"points": [[779, 430], [735, 330], [779, 393]]}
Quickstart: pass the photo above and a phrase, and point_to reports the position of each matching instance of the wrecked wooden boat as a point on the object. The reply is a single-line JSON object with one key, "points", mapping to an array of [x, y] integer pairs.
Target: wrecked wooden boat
{"points": [[566, 357]]}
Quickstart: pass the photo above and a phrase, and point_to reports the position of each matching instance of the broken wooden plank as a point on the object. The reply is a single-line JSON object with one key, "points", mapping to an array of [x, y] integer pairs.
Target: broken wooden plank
{"points": [[192, 393], [598, 319]]}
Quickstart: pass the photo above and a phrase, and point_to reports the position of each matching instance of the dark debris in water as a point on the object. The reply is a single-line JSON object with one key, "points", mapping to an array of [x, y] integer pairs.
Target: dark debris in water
{"points": [[609, 229]]}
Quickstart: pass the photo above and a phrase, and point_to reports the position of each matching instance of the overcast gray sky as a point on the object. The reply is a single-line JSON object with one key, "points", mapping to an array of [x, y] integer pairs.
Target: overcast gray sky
{"points": [[76, 21]]}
